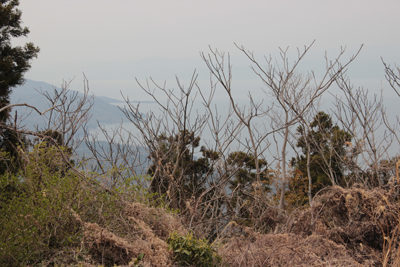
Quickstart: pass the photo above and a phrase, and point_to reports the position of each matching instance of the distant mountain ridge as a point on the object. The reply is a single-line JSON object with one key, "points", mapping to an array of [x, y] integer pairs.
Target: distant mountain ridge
{"points": [[110, 100], [103, 110]]}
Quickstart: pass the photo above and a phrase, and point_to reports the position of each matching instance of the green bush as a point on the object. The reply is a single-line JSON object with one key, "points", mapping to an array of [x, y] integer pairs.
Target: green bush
{"points": [[37, 207], [190, 251]]}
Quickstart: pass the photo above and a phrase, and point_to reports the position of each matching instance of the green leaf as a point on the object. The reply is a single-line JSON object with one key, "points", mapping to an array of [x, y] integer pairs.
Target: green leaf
{"points": [[140, 257]]}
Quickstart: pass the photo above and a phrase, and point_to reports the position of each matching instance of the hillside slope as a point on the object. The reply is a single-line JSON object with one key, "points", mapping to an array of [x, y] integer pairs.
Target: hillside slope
{"points": [[103, 110]]}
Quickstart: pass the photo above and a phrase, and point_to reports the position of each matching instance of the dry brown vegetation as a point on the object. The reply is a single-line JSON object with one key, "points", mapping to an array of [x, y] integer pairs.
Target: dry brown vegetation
{"points": [[354, 227], [147, 230], [336, 204]]}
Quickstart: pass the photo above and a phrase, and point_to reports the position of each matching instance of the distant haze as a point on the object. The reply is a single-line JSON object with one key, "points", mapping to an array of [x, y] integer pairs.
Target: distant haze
{"points": [[113, 42]]}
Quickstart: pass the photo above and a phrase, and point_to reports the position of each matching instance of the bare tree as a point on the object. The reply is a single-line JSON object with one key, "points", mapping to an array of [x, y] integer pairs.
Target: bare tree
{"points": [[172, 134], [70, 113], [66, 115], [293, 93], [364, 116], [393, 77], [157, 133], [247, 115]]}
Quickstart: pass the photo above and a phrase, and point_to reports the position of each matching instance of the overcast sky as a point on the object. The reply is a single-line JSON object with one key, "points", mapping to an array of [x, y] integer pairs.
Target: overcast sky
{"points": [[108, 40]]}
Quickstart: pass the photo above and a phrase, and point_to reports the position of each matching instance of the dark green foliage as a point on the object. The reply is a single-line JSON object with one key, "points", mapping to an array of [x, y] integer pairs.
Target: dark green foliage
{"points": [[245, 175], [245, 186], [10, 141], [190, 251], [327, 144], [14, 62], [175, 171]]}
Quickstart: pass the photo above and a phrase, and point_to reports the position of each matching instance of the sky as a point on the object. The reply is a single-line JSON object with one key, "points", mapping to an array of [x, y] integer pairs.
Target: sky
{"points": [[113, 42]]}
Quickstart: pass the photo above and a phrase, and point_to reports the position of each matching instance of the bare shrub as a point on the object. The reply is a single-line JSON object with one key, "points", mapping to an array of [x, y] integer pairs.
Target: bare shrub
{"points": [[253, 249], [160, 221], [365, 221], [111, 249], [141, 229]]}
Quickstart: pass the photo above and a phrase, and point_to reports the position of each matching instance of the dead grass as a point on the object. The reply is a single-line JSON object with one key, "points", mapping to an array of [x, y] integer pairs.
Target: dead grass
{"points": [[146, 231], [254, 249], [353, 227], [365, 221]]}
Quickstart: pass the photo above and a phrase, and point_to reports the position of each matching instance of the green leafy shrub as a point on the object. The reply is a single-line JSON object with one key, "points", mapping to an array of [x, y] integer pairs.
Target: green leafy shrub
{"points": [[190, 251], [35, 206], [40, 204]]}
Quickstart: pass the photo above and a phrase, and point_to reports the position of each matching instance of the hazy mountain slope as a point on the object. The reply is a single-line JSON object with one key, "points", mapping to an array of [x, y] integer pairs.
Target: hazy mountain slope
{"points": [[102, 111]]}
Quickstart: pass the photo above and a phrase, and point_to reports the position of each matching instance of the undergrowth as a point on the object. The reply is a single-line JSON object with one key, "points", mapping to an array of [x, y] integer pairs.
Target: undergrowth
{"points": [[53, 216], [191, 251]]}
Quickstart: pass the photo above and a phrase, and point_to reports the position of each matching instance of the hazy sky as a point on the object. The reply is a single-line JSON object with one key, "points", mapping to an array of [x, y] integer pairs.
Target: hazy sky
{"points": [[114, 41]]}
